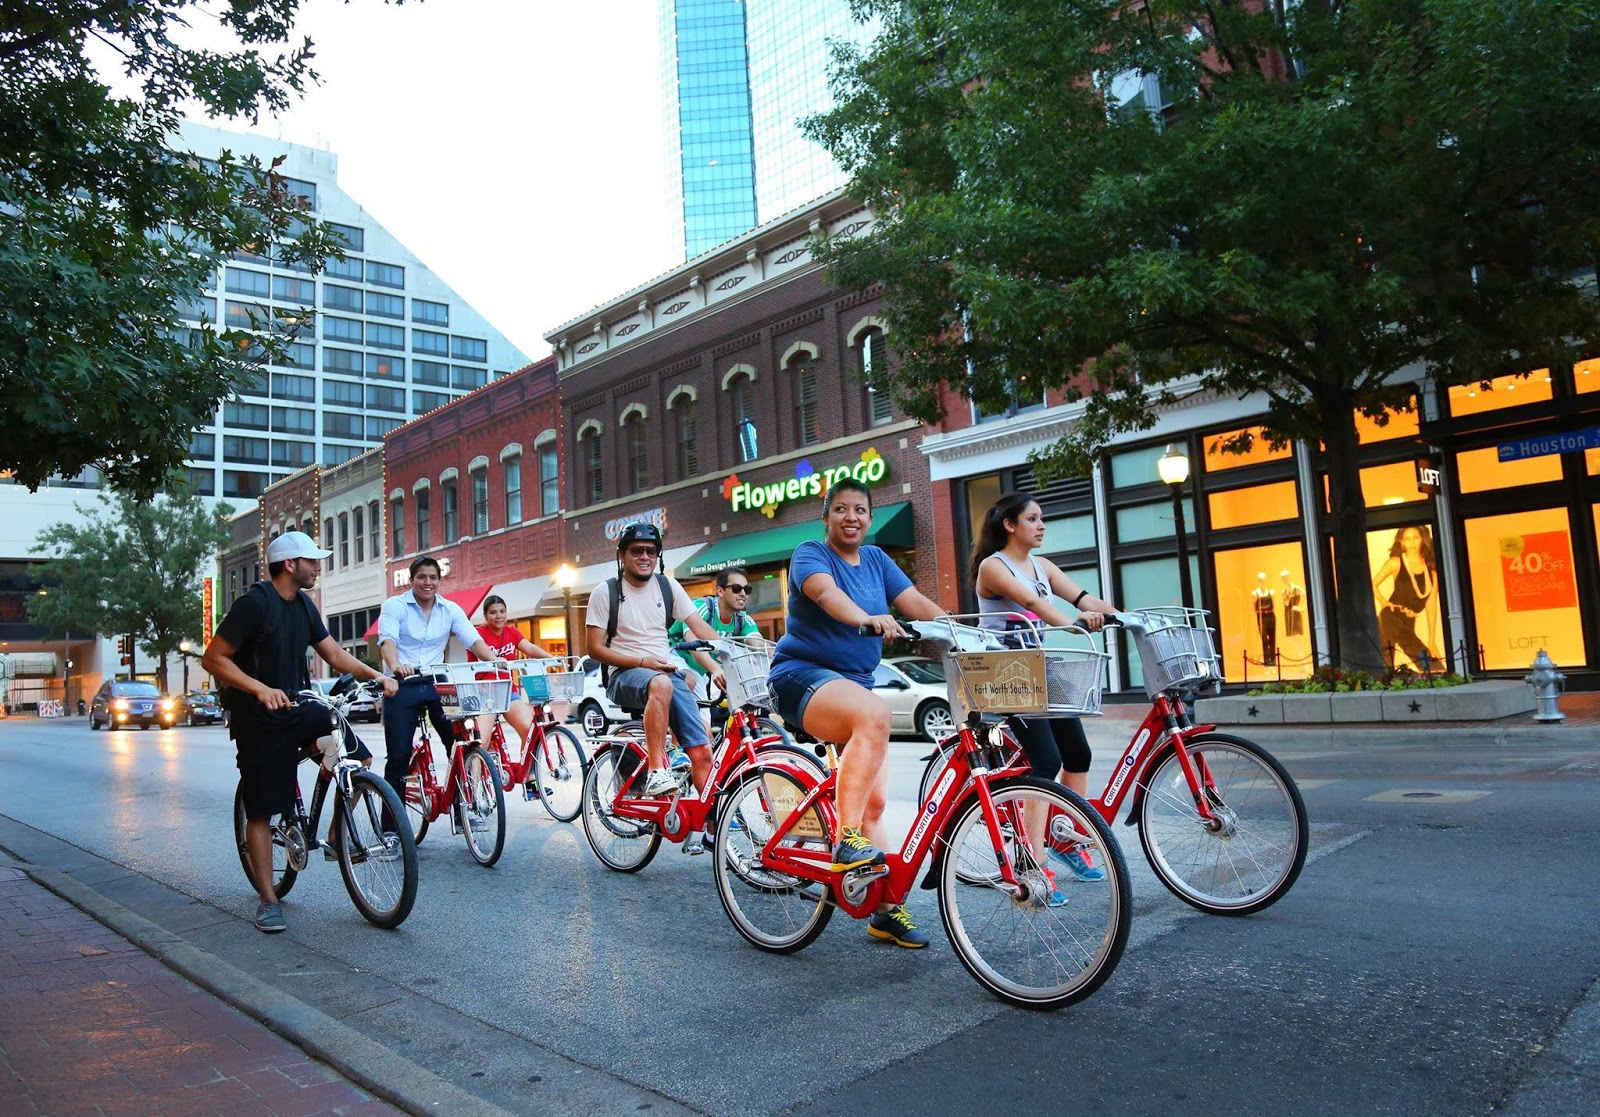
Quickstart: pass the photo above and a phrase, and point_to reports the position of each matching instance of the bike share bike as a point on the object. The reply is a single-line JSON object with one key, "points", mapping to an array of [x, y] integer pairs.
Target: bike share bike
{"points": [[1220, 820], [470, 792], [553, 761], [379, 870], [777, 827], [623, 825]]}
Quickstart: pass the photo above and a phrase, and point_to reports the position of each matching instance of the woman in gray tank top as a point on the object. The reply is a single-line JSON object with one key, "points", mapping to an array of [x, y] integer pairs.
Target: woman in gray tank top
{"points": [[1010, 578]]}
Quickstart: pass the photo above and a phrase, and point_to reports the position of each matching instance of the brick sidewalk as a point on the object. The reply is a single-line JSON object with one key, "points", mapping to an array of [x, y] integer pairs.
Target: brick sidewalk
{"points": [[91, 1024]]}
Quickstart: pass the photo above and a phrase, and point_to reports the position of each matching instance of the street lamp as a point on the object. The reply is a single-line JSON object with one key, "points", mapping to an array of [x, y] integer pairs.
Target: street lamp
{"points": [[183, 649], [1173, 467], [566, 578]]}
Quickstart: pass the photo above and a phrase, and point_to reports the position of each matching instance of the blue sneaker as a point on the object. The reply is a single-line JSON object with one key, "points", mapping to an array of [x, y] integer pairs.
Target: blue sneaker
{"points": [[1058, 898], [677, 759], [1079, 865], [895, 926]]}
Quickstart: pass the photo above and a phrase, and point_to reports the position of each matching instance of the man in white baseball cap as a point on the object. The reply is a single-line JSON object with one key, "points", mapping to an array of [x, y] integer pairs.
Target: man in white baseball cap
{"points": [[258, 656]]}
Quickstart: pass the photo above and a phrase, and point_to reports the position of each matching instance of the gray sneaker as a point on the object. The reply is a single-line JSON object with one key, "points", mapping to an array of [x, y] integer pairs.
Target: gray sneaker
{"points": [[391, 848], [695, 844], [269, 918]]}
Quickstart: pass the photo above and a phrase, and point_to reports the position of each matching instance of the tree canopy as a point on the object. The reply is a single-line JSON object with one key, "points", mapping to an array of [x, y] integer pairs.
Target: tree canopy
{"points": [[1311, 201], [133, 567], [106, 230]]}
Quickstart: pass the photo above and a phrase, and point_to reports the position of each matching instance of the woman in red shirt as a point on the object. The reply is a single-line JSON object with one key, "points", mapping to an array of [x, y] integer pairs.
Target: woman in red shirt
{"points": [[508, 642]]}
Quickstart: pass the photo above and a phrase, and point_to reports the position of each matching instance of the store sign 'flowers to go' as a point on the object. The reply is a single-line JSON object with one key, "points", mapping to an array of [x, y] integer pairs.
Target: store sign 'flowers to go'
{"points": [[807, 483]]}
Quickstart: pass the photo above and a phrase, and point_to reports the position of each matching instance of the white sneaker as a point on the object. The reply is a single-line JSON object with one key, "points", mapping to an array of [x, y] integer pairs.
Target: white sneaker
{"points": [[695, 844], [659, 782]]}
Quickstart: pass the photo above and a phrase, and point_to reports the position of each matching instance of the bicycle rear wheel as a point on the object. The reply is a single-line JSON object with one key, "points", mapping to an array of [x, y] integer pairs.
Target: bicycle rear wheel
{"points": [[481, 806], [1018, 946], [558, 769], [623, 844], [772, 910], [1251, 855], [380, 872], [283, 874]]}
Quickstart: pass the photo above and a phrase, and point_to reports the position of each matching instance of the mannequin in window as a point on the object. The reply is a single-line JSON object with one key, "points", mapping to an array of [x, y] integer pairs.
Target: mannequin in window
{"points": [[1294, 605], [1266, 606], [1413, 594]]}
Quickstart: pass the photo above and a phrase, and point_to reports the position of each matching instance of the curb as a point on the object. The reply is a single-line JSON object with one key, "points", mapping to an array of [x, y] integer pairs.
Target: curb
{"points": [[365, 1062]]}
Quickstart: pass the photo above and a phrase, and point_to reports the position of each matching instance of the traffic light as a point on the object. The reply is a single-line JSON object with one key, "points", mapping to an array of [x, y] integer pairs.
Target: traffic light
{"points": [[125, 649]]}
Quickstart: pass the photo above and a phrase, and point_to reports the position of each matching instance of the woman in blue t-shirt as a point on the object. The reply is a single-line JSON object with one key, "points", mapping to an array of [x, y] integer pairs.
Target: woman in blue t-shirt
{"points": [[822, 675]]}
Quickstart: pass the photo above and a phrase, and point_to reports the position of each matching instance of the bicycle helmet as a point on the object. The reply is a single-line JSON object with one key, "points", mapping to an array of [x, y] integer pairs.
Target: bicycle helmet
{"points": [[639, 532]]}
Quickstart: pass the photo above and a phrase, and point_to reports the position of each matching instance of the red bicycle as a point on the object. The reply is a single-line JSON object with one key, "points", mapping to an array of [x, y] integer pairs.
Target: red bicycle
{"points": [[553, 761], [470, 792], [1020, 938], [623, 825], [1220, 819]]}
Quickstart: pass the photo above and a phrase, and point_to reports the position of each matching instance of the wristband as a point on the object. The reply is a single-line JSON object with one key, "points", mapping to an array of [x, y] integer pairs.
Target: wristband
{"points": [[1081, 595]]}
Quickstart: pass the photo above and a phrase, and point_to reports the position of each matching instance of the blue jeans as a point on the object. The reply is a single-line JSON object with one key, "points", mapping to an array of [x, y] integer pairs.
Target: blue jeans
{"points": [[630, 689]]}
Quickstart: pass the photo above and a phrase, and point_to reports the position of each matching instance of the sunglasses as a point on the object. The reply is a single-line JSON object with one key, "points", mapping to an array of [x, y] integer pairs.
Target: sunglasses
{"points": [[642, 552], [737, 589]]}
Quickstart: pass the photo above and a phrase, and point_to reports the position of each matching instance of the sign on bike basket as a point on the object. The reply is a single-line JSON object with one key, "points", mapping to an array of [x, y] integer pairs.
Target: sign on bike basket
{"points": [[545, 680], [1063, 676], [783, 797], [463, 694]]}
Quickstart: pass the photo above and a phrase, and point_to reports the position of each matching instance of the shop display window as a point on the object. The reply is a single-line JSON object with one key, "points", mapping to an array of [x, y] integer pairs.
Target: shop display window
{"points": [[1136, 467], [1070, 533], [1263, 618], [982, 492], [1219, 459], [1502, 391], [1479, 471], [1146, 584], [1259, 504], [1151, 521], [1524, 588], [1398, 423], [1395, 483], [1586, 376], [1408, 597]]}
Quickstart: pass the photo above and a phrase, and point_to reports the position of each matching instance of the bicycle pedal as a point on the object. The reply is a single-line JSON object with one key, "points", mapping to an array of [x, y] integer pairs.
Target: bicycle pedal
{"points": [[866, 875]]}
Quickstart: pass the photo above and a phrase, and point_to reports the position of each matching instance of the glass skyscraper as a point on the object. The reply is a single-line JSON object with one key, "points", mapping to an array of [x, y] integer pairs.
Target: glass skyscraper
{"points": [[739, 75]]}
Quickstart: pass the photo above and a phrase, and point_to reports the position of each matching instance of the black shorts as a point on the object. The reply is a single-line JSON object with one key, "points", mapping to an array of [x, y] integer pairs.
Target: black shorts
{"points": [[269, 744], [1052, 744]]}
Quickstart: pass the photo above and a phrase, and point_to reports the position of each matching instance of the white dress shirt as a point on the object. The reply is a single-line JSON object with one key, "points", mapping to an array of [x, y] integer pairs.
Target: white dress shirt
{"points": [[420, 640]]}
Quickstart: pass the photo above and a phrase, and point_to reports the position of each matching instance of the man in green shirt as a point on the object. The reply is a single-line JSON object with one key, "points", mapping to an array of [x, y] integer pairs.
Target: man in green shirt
{"points": [[723, 612]]}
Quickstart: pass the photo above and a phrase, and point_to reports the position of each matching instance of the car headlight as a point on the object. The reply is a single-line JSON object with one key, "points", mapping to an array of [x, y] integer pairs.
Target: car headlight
{"points": [[119, 704], [167, 704]]}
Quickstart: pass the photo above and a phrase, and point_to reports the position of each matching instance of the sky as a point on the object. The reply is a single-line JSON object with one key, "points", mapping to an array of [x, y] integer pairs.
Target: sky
{"points": [[516, 146]]}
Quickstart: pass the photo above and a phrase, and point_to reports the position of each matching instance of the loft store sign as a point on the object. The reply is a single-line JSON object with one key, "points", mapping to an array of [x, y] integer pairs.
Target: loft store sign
{"points": [[807, 482]]}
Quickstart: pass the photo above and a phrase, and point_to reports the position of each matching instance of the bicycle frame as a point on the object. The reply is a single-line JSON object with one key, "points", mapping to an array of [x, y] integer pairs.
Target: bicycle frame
{"points": [[1166, 726], [434, 796], [514, 772], [860, 893]]}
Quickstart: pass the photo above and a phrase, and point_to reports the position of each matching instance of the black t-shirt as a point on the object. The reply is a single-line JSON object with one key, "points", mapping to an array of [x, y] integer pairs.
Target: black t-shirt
{"points": [[271, 636]]}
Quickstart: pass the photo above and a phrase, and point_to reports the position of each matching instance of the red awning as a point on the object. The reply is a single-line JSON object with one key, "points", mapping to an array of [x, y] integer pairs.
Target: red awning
{"points": [[469, 599]]}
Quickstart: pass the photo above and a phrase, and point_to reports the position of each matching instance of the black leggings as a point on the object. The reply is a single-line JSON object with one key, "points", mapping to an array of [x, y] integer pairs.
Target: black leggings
{"points": [[1052, 744]]}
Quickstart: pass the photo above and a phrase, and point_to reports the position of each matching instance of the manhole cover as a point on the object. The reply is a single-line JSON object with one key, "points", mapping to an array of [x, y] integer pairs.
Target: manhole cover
{"points": [[1426, 795], [1423, 795]]}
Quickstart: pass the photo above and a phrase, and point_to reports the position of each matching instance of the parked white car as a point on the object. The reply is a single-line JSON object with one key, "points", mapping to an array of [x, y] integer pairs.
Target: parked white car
{"points": [[595, 711], [366, 708], [914, 688]]}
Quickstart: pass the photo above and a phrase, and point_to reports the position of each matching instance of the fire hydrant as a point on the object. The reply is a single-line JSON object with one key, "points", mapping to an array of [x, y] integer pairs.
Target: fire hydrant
{"points": [[1547, 684]]}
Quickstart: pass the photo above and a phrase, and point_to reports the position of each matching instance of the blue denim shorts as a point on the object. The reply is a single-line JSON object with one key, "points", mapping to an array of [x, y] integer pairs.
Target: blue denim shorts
{"points": [[630, 689], [793, 690]]}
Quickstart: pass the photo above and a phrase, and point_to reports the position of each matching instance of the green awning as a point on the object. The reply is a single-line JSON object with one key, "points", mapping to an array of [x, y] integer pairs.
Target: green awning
{"points": [[893, 525]]}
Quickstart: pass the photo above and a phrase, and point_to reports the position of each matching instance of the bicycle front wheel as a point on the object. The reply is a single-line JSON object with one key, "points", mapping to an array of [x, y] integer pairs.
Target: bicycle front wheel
{"points": [[283, 874], [1035, 946], [379, 870], [1251, 852], [558, 768], [481, 806], [772, 910], [623, 844]]}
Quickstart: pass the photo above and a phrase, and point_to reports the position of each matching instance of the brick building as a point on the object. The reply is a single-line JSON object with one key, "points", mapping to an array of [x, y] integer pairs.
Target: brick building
{"points": [[475, 484], [719, 399]]}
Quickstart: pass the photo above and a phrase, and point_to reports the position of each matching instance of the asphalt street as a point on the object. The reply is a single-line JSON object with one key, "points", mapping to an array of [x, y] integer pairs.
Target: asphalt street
{"points": [[1436, 957]]}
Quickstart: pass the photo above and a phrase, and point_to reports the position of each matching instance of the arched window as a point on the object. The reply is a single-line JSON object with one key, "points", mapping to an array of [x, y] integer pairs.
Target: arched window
{"points": [[375, 526], [451, 533], [740, 390], [807, 428], [424, 519], [638, 453], [397, 526], [873, 355], [326, 541], [550, 477], [683, 406], [511, 468], [594, 463], [358, 531], [344, 540], [480, 499]]}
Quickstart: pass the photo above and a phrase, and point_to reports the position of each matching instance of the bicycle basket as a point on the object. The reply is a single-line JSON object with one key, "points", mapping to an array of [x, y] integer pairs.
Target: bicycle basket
{"points": [[745, 665], [547, 680], [470, 689], [1176, 652]]}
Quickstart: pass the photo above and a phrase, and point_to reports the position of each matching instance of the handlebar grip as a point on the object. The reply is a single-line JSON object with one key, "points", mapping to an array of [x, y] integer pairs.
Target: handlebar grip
{"points": [[866, 630], [694, 646]]}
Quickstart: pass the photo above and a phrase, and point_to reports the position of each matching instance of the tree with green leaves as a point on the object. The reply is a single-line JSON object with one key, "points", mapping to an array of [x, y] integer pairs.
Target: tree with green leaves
{"points": [[106, 230], [131, 566], [1314, 202]]}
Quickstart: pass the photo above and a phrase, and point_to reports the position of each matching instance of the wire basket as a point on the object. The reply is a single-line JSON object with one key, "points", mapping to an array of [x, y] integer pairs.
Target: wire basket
{"points": [[549, 680], [464, 694], [746, 662], [1061, 674], [1176, 649]]}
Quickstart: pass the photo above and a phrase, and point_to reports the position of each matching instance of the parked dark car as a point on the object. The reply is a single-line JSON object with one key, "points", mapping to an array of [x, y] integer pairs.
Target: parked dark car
{"points": [[120, 704], [201, 708]]}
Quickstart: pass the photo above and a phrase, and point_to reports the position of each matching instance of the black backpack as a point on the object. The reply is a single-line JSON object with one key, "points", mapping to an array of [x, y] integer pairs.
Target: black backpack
{"points": [[245, 658], [614, 588]]}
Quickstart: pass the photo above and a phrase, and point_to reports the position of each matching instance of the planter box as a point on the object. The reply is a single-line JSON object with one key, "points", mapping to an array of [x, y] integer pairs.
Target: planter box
{"points": [[1482, 701]]}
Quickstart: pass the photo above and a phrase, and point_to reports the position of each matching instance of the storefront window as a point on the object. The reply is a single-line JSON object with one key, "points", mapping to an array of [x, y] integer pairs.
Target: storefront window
{"points": [[1219, 459], [1259, 504], [1145, 584], [1151, 521], [1263, 612], [1524, 588], [1397, 424], [1502, 391], [1136, 467], [1479, 471], [1586, 376], [1069, 533], [1395, 483], [1405, 583], [982, 492]]}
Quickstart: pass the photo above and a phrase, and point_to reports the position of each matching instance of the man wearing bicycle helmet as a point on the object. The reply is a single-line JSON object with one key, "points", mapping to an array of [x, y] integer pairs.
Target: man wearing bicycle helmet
{"points": [[258, 657], [628, 619]]}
